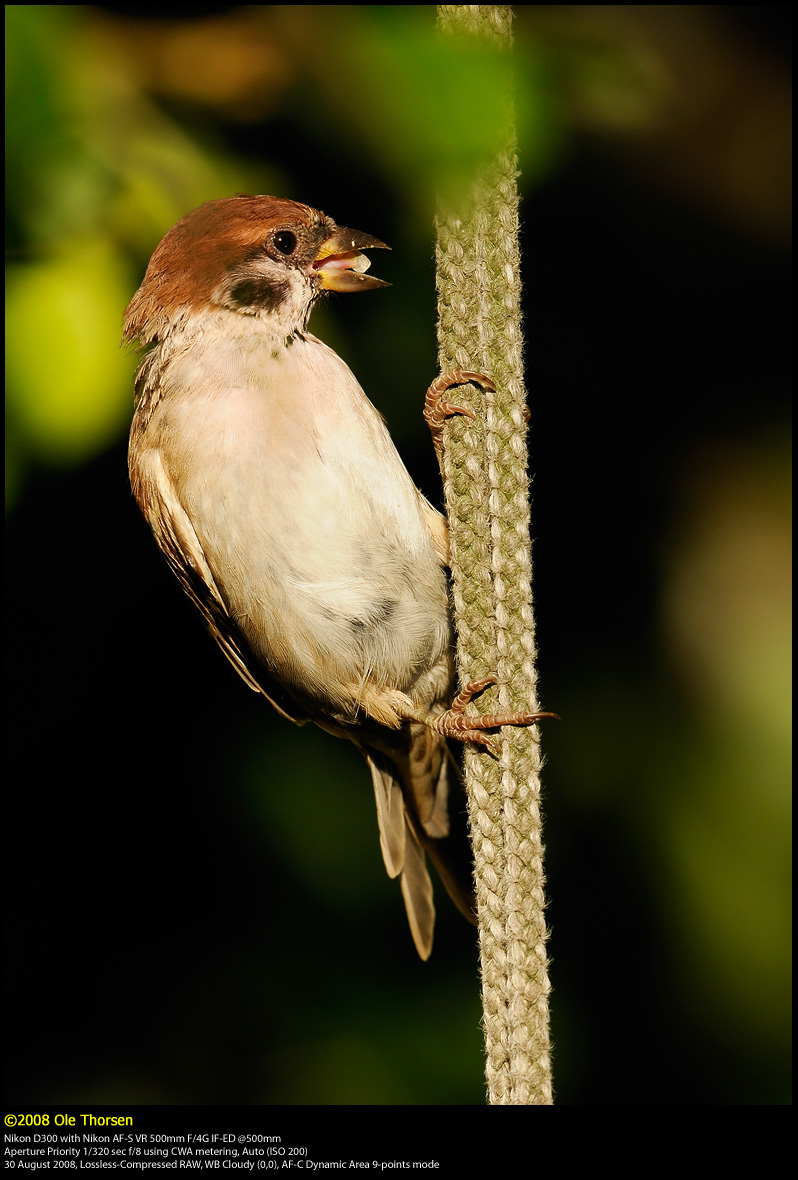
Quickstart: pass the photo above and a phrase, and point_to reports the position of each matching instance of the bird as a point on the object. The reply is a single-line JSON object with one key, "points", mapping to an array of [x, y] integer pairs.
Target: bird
{"points": [[273, 489]]}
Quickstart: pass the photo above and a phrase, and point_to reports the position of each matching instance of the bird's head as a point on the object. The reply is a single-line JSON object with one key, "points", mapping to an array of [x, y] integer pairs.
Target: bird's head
{"points": [[256, 256]]}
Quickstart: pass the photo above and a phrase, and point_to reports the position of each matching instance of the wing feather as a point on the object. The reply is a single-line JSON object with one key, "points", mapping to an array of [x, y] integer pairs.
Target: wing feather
{"points": [[183, 551]]}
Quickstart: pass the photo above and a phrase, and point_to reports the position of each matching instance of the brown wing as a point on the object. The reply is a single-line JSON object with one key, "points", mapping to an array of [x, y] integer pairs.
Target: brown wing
{"points": [[183, 551]]}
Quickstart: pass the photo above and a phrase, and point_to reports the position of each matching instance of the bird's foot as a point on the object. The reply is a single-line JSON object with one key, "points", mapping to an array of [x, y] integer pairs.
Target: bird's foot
{"points": [[454, 723], [436, 410]]}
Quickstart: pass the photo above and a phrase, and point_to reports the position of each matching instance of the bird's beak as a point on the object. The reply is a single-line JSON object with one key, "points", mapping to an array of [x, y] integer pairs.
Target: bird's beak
{"points": [[341, 265]]}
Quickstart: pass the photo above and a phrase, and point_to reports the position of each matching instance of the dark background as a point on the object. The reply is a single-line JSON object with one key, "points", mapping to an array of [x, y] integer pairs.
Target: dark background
{"points": [[197, 910]]}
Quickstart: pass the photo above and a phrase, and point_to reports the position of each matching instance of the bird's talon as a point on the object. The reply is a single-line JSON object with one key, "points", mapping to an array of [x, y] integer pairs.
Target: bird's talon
{"points": [[453, 723], [444, 410], [479, 739], [436, 410], [466, 695]]}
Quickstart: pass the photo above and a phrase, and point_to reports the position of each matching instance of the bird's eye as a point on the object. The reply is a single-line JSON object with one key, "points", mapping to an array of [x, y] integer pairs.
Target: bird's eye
{"points": [[285, 241]]}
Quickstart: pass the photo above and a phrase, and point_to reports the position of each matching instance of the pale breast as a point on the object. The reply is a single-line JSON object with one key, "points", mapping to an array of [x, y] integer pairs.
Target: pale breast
{"points": [[316, 536]]}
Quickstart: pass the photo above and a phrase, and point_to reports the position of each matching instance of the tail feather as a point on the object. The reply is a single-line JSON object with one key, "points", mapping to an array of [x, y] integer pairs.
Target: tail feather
{"points": [[390, 817], [417, 892], [421, 807]]}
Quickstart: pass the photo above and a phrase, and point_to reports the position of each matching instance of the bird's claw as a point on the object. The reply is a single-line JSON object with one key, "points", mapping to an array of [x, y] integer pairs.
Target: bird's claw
{"points": [[436, 410], [454, 723]]}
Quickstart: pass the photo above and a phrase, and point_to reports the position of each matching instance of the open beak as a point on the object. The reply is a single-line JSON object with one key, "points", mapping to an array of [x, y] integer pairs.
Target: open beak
{"points": [[342, 266]]}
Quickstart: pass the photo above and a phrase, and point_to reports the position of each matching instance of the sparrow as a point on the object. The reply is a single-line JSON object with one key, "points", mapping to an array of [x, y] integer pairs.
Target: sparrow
{"points": [[274, 491]]}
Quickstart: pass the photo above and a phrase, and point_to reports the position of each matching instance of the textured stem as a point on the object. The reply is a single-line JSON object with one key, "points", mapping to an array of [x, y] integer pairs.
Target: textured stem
{"points": [[485, 485]]}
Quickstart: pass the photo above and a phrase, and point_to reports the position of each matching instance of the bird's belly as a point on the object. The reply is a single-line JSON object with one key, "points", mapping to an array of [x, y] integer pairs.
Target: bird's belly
{"points": [[333, 580]]}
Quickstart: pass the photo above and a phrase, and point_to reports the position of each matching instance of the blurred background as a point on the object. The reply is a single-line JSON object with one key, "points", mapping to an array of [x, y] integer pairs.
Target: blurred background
{"points": [[198, 912]]}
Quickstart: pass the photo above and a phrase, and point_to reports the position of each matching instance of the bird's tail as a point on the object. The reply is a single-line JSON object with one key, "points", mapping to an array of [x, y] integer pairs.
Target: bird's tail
{"points": [[421, 808]]}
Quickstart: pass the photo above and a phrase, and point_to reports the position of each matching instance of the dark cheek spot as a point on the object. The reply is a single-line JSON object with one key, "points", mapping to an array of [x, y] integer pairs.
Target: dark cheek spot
{"points": [[258, 294]]}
